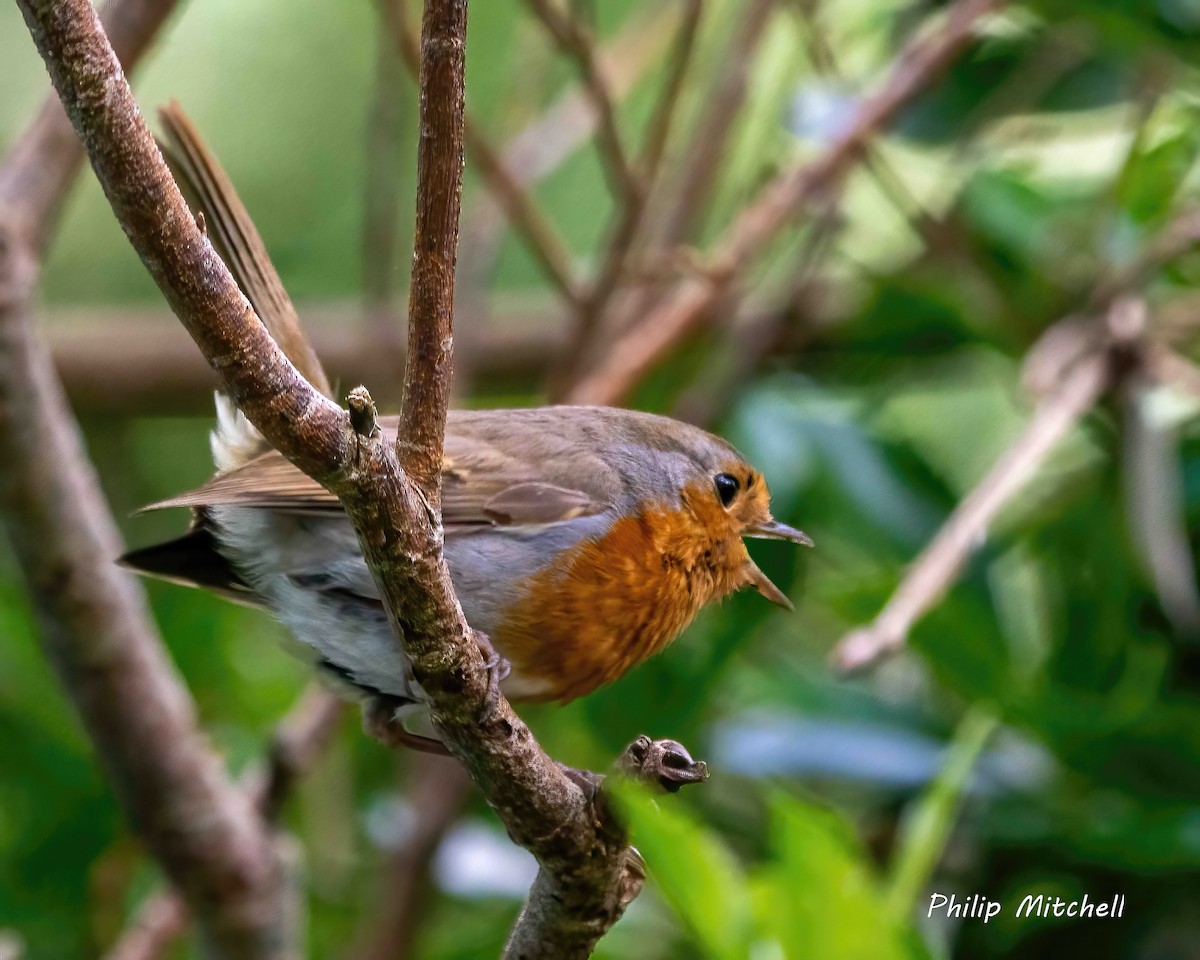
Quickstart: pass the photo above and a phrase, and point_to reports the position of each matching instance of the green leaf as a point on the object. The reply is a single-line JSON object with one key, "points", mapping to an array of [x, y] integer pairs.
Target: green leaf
{"points": [[1154, 177], [697, 874], [821, 897], [928, 826]]}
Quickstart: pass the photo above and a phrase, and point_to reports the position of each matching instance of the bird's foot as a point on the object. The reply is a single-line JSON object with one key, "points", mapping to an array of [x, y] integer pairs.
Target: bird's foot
{"points": [[585, 780], [498, 668], [381, 722]]}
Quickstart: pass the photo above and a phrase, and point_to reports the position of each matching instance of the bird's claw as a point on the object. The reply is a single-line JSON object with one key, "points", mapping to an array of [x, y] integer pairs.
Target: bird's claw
{"points": [[498, 668], [585, 780], [380, 722]]}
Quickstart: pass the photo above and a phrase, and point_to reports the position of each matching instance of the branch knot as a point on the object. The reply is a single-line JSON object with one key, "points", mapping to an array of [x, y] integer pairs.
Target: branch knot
{"points": [[364, 417], [665, 764]]}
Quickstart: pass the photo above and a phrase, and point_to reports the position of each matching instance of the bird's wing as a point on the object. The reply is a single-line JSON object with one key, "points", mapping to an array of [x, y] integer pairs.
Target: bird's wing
{"points": [[482, 485]]}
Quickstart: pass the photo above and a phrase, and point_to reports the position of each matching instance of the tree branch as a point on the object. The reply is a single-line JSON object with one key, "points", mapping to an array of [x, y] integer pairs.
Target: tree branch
{"points": [[429, 368], [44, 162], [578, 43], [1092, 364], [631, 206], [155, 366], [583, 855], [543, 145], [548, 923], [541, 237], [1072, 365], [723, 103], [301, 736], [633, 353], [93, 621]]}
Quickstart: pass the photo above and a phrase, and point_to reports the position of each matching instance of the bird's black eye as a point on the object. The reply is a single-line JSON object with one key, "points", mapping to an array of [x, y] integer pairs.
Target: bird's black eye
{"points": [[727, 487]]}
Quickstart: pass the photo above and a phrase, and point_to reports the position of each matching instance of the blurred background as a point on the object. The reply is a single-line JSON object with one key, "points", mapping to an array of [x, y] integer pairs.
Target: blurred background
{"points": [[1040, 732]]}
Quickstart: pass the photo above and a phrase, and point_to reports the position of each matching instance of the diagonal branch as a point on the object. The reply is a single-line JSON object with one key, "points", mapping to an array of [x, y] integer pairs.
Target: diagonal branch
{"points": [[43, 163], [583, 854], [578, 43], [684, 308], [301, 736], [631, 207], [662, 121], [723, 102], [1089, 372], [1074, 363], [94, 625], [543, 145]]}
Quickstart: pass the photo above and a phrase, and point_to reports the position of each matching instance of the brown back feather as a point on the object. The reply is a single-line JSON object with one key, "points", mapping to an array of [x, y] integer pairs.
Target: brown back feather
{"points": [[481, 485]]}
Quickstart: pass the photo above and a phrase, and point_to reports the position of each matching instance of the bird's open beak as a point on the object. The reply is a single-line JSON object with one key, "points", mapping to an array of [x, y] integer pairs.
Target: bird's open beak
{"points": [[774, 530], [761, 582]]}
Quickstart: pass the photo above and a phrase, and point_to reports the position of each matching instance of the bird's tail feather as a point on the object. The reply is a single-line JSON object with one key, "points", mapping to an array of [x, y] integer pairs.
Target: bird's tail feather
{"points": [[210, 192]]}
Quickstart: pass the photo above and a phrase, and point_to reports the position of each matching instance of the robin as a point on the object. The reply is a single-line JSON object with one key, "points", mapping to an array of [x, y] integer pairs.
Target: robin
{"points": [[580, 540]]}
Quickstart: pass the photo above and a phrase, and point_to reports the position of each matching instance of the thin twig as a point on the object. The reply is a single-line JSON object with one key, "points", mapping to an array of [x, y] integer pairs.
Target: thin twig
{"points": [[631, 208], [542, 238], [577, 42], [639, 348], [543, 145], [429, 367], [752, 335], [662, 121], [706, 153], [1077, 388], [540, 235], [692, 184], [826, 62]]}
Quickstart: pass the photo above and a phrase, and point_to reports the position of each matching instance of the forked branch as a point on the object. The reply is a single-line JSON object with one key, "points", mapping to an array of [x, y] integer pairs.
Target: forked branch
{"points": [[92, 617], [583, 855]]}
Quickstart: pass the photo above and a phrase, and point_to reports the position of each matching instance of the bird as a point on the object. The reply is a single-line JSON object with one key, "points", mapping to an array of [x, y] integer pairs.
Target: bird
{"points": [[580, 540]]}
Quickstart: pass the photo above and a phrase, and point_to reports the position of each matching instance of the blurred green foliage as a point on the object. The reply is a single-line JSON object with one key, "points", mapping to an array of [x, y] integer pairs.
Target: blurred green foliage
{"points": [[1043, 162]]}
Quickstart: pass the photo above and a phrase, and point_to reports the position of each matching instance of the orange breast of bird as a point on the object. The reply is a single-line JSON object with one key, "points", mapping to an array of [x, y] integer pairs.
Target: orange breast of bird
{"points": [[609, 603]]}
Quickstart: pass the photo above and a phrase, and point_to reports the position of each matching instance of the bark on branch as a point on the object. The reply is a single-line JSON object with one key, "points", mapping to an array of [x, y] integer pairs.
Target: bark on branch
{"points": [[93, 621], [299, 739], [582, 854]]}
